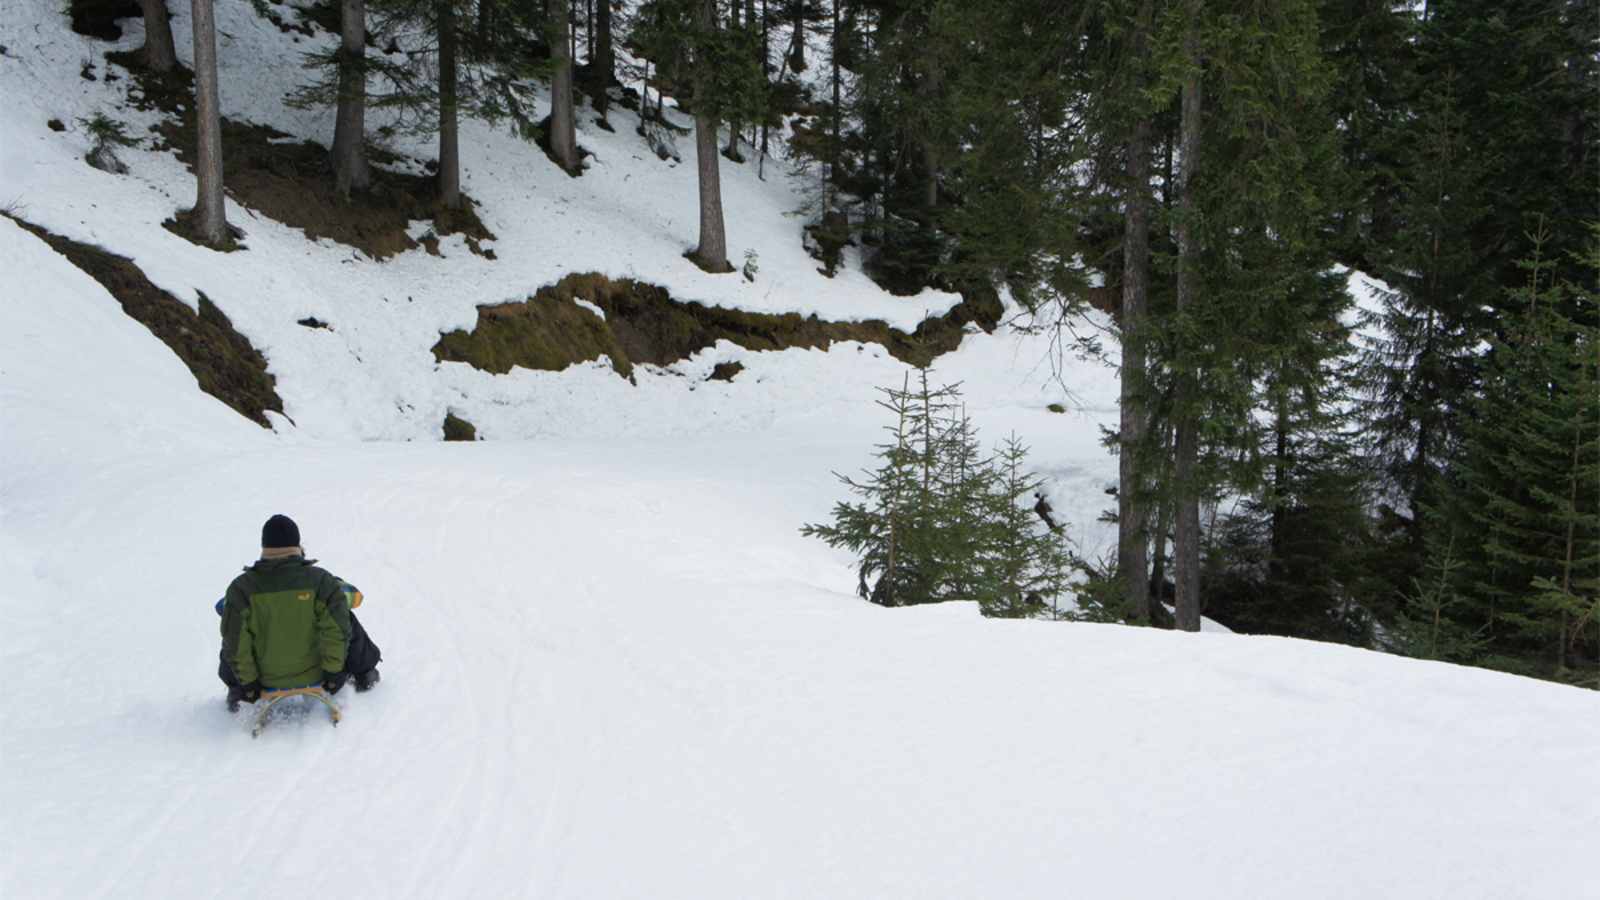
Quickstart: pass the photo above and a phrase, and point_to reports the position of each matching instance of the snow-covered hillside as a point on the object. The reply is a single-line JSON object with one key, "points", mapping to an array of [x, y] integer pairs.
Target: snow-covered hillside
{"points": [[613, 668]]}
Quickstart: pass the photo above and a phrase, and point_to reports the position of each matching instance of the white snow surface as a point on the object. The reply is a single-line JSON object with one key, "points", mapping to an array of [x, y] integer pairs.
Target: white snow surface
{"points": [[613, 668]]}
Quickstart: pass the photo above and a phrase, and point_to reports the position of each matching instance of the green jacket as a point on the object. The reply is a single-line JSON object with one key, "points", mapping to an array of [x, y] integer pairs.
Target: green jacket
{"points": [[284, 623]]}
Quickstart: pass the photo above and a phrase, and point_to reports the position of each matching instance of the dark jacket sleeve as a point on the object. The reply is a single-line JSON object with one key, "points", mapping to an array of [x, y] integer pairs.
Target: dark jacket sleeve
{"points": [[238, 638], [333, 623]]}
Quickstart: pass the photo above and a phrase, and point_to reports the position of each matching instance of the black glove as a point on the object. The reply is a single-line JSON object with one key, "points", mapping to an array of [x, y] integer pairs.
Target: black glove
{"points": [[251, 692], [333, 681]]}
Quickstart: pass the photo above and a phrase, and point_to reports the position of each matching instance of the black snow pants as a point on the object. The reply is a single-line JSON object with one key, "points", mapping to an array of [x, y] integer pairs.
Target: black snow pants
{"points": [[361, 655]]}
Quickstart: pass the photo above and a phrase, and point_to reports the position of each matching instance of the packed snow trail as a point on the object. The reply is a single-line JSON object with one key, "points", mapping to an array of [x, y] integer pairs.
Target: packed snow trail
{"points": [[615, 672]]}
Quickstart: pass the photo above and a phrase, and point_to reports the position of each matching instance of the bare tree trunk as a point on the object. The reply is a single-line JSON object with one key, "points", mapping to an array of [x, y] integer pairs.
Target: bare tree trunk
{"points": [[449, 146], [350, 171], [1133, 543], [604, 62], [563, 138], [644, 95], [1576, 468], [485, 17], [712, 252], [928, 90], [797, 41], [750, 22], [160, 54], [732, 150], [1158, 563], [833, 148], [210, 213], [588, 31], [1277, 535], [1186, 543], [766, 76]]}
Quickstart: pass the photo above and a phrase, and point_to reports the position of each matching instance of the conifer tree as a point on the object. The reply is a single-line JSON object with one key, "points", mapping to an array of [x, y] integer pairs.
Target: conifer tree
{"points": [[1427, 626], [1493, 129], [1521, 492], [1026, 566], [895, 530], [939, 520]]}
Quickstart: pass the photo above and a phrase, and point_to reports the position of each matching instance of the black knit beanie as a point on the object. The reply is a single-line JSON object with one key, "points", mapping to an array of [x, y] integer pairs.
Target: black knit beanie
{"points": [[280, 531]]}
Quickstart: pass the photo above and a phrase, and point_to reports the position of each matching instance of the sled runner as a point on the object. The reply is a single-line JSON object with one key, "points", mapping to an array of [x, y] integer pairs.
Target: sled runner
{"points": [[270, 699]]}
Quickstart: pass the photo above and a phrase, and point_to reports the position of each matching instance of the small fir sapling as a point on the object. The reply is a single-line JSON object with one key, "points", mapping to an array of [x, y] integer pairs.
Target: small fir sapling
{"points": [[107, 134], [938, 520]]}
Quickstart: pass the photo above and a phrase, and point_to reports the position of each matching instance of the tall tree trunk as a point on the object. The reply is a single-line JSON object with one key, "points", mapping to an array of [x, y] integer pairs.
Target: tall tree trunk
{"points": [[210, 213], [588, 30], [732, 150], [1132, 542], [160, 54], [350, 171], [1280, 490], [750, 22], [1575, 469], [766, 77], [449, 148], [1186, 542], [563, 137], [485, 21], [1158, 564], [797, 41], [604, 62], [833, 145], [712, 252]]}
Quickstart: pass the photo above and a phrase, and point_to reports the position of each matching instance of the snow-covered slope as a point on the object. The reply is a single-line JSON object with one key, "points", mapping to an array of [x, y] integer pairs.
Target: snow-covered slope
{"points": [[373, 376], [613, 668]]}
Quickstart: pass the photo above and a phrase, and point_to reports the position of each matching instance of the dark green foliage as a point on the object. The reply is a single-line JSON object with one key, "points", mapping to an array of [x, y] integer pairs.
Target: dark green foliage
{"points": [[1520, 496], [106, 131], [938, 520], [107, 134], [1490, 131], [735, 88], [897, 528], [1428, 626], [1026, 566]]}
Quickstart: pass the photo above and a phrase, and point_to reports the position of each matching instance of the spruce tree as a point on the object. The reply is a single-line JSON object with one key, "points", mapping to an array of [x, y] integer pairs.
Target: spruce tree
{"points": [[1521, 492], [1026, 566], [939, 521], [896, 528]]}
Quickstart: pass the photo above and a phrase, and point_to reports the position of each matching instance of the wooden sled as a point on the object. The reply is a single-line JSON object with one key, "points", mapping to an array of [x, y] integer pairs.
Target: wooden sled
{"points": [[269, 699]]}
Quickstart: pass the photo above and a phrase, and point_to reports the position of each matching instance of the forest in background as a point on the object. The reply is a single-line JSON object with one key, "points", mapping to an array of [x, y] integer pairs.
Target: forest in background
{"points": [[1422, 476]]}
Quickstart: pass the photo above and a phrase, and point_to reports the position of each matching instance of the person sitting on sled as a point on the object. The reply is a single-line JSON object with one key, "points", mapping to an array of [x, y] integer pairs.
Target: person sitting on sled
{"points": [[288, 624]]}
